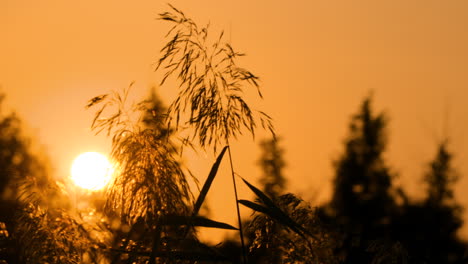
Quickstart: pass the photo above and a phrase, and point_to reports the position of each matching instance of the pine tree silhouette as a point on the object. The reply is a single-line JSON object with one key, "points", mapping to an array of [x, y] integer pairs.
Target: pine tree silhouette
{"points": [[362, 201], [17, 165], [272, 164], [428, 229], [273, 184]]}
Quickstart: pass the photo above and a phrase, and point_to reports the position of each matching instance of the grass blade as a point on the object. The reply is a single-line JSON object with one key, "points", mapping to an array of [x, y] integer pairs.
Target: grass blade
{"points": [[273, 211], [180, 220], [276, 215], [263, 197], [208, 182]]}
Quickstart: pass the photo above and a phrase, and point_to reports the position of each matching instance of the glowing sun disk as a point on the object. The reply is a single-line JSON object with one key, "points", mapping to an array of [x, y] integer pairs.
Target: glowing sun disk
{"points": [[91, 170]]}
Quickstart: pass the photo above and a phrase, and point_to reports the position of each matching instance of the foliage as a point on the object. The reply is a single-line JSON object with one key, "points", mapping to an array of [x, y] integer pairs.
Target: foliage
{"points": [[209, 81], [428, 229], [149, 182], [151, 214], [53, 235], [35, 207], [362, 193], [149, 185], [272, 164], [294, 233], [363, 196], [155, 116], [16, 163], [441, 177], [373, 227], [211, 86]]}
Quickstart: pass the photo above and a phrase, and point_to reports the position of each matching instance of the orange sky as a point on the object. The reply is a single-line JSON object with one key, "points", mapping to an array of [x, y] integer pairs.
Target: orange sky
{"points": [[316, 60]]}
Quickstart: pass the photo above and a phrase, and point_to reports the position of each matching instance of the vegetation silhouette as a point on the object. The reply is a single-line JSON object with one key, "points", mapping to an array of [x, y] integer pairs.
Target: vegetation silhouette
{"points": [[428, 228], [272, 164], [373, 226], [38, 225], [150, 189], [150, 214], [16, 162], [273, 184], [362, 201], [368, 219]]}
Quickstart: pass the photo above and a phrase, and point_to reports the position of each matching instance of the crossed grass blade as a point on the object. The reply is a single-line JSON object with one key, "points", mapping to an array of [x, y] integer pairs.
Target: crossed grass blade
{"points": [[274, 212]]}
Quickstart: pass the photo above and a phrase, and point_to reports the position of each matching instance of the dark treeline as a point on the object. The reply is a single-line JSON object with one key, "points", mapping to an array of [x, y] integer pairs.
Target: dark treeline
{"points": [[378, 220], [368, 218]]}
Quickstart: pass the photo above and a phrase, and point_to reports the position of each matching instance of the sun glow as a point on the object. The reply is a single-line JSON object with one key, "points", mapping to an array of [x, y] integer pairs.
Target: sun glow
{"points": [[91, 171]]}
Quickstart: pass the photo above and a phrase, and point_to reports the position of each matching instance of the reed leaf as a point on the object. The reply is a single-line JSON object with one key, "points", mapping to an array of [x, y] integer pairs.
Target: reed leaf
{"points": [[208, 182], [273, 211], [181, 220], [276, 215]]}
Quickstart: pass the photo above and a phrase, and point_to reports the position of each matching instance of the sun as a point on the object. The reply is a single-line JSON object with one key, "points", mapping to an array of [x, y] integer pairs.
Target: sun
{"points": [[91, 171]]}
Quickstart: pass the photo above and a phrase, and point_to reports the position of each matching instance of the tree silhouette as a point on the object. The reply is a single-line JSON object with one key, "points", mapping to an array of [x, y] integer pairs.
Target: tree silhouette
{"points": [[272, 163], [14, 160], [441, 178], [362, 201], [428, 229], [155, 116], [34, 207], [17, 164]]}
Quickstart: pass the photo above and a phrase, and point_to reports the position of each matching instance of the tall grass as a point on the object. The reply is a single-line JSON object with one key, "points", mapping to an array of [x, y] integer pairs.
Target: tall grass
{"points": [[211, 88]]}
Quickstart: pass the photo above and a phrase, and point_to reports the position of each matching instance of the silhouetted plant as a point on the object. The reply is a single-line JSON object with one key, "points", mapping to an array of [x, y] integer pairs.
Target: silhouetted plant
{"points": [[156, 115], [16, 163], [429, 228], [211, 88], [53, 235], [363, 196], [50, 230], [441, 178], [210, 83], [289, 227], [272, 164], [273, 184], [149, 182], [35, 207]]}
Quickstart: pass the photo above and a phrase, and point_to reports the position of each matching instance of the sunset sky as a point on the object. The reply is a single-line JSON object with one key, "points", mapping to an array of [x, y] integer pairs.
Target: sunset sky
{"points": [[316, 60]]}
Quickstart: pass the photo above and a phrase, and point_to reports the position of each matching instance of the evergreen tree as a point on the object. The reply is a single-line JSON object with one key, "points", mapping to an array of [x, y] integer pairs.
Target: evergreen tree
{"points": [[362, 201], [441, 178], [273, 184], [155, 116], [272, 164], [17, 164], [428, 229], [35, 223]]}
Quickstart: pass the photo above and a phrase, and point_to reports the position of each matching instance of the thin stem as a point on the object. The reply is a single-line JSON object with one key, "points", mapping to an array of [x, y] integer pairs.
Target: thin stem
{"points": [[241, 233]]}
